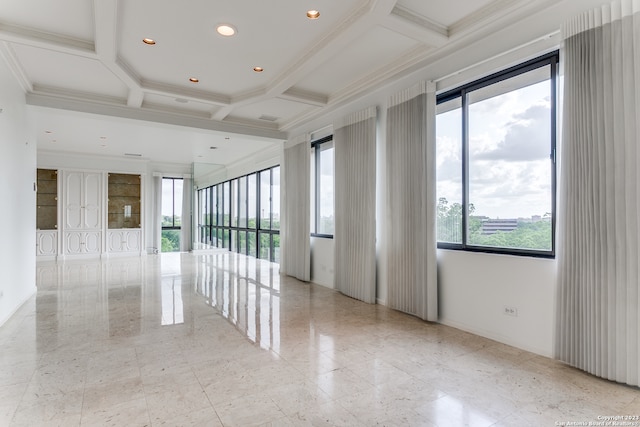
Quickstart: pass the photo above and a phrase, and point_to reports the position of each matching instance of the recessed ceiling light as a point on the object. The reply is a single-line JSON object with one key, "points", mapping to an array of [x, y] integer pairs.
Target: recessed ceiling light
{"points": [[193, 80], [313, 14], [258, 69], [213, 148], [226, 30], [148, 41], [227, 138]]}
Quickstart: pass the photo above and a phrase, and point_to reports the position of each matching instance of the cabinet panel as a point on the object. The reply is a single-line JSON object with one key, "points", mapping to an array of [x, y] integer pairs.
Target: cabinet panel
{"points": [[73, 242], [73, 199], [92, 242], [92, 200], [124, 240], [46, 243]]}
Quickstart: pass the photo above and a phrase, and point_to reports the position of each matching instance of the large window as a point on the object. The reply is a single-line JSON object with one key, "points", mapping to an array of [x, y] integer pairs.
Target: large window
{"points": [[496, 161], [322, 177], [245, 214], [171, 214]]}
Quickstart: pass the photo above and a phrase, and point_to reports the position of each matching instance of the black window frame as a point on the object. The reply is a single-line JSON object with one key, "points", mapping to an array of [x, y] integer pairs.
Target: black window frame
{"points": [[550, 59], [316, 147], [226, 229], [173, 205]]}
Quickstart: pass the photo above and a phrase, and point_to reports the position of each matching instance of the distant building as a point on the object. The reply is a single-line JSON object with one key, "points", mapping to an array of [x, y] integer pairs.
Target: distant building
{"points": [[492, 226]]}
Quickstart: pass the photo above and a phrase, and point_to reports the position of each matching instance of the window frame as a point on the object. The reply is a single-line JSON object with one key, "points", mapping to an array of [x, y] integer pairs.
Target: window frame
{"points": [[173, 205], [316, 147], [226, 229], [550, 59]]}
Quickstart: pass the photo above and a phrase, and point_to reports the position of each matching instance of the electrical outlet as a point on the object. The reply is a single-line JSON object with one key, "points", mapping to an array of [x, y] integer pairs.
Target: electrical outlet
{"points": [[510, 311]]}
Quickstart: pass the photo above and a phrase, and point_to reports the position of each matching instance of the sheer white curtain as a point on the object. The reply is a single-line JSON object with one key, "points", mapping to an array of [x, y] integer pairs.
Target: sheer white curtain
{"points": [[295, 201], [598, 300], [355, 205], [186, 230], [156, 223], [410, 202]]}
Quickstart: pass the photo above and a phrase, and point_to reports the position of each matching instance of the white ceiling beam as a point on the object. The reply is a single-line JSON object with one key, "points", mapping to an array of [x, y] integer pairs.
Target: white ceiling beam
{"points": [[305, 97], [180, 92], [413, 25], [53, 42], [106, 40]]}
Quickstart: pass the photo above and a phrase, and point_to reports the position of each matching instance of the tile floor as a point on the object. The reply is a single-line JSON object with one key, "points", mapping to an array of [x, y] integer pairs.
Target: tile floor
{"points": [[223, 340]]}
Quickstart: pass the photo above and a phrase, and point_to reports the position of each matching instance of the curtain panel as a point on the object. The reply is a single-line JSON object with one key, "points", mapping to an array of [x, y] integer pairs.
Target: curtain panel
{"points": [[599, 208], [355, 205], [295, 201], [410, 202], [156, 223]]}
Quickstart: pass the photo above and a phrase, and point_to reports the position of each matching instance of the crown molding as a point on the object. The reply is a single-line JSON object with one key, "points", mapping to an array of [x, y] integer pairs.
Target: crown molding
{"points": [[49, 41], [305, 97], [10, 58]]}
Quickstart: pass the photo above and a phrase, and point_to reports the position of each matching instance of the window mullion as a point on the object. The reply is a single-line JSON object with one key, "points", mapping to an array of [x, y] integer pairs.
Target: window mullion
{"points": [[465, 167]]}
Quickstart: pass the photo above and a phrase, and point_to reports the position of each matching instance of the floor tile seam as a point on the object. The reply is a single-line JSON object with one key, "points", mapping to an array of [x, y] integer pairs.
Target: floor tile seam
{"points": [[191, 367]]}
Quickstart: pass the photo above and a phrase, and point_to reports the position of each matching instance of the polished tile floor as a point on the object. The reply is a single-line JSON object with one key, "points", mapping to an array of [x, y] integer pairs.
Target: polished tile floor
{"points": [[224, 340]]}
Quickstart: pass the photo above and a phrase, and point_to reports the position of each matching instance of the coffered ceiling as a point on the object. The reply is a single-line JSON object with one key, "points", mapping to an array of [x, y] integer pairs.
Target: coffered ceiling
{"points": [[89, 56]]}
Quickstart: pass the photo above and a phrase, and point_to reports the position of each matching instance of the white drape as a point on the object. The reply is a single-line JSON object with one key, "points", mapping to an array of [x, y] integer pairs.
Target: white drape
{"points": [[295, 202], [156, 223], [410, 202], [598, 300], [186, 230], [355, 205]]}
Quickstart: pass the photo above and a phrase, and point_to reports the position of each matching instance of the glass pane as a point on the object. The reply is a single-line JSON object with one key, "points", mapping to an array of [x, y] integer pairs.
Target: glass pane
{"points": [[251, 237], [242, 200], [325, 187], [265, 202], [449, 170], [214, 201], [170, 241], [509, 163], [177, 201], [242, 242], [252, 201], [226, 203], [275, 199], [167, 202], [225, 238], [234, 203], [312, 191], [265, 246], [276, 248], [234, 241]]}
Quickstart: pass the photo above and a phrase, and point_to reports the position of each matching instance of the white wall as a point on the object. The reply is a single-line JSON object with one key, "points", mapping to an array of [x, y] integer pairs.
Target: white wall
{"points": [[322, 261], [475, 288], [18, 212]]}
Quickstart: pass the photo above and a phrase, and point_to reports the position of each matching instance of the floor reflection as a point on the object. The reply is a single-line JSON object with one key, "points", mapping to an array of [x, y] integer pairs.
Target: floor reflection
{"points": [[245, 291]]}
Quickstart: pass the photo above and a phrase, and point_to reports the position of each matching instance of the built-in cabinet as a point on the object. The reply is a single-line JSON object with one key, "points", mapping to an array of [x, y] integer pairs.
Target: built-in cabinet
{"points": [[99, 213]]}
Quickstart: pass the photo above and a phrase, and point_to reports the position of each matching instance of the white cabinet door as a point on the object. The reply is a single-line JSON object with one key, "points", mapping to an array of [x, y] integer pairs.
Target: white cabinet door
{"points": [[92, 242], [124, 240], [82, 242], [82, 195], [91, 197], [46, 243], [73, 242], [73, 183]]}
